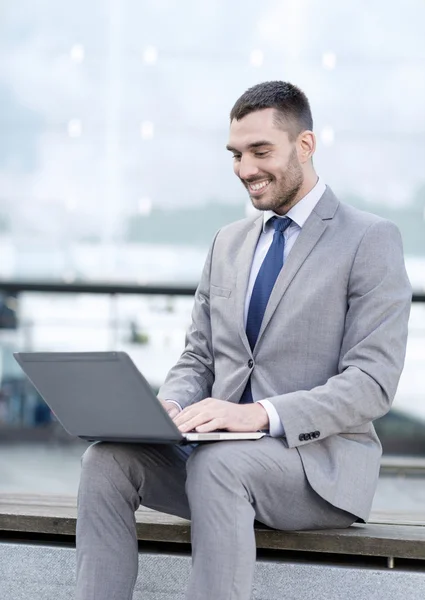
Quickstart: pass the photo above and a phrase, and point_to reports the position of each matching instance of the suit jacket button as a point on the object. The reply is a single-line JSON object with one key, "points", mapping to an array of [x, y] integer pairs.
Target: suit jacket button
{"points": [[250, 363], [301, 437], [308, 436], [316, 434]]}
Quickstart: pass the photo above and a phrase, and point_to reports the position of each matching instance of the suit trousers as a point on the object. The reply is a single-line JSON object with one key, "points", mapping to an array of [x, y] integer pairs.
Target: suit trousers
{"points": [[222, 487]]}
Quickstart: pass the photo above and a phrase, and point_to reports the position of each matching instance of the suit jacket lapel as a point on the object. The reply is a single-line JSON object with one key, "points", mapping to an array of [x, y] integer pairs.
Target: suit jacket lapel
{"points": [[310, 234], [243, 268]]}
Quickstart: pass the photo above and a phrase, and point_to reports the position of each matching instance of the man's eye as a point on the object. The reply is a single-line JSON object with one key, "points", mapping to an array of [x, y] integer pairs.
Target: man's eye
{"points": [[260, 154], [237, 156]]}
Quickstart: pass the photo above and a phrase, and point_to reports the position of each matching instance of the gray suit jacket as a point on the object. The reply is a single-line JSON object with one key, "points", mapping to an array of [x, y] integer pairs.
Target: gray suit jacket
{"points": [[331, 346]]}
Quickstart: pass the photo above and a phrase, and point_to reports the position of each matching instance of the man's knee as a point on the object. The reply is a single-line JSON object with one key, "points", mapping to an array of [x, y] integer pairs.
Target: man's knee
{"points": [[105, 483], [211, 466], [98, 457], [105, 465]]}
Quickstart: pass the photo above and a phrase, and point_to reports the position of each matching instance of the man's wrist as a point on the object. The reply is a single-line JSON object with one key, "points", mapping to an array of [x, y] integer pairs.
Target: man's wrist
{"points": [[177, 404], [276, 428], [261, 416]]}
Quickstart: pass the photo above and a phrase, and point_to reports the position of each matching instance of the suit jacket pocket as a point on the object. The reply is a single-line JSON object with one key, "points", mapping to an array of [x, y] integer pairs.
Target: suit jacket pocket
{"points": [[220, 291]]}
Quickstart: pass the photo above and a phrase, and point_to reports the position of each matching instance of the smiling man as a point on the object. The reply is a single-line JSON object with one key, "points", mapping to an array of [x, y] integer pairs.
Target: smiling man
{"points": [[299, 328], [270, 168]]}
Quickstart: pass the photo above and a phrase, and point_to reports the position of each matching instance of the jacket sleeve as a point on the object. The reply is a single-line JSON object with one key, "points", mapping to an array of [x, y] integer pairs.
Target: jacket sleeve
{"points": [[191, 378], [372, 351]]}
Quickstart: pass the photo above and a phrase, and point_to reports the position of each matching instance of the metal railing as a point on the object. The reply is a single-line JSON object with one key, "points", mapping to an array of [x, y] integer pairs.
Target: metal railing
{"points": [[16, 287]]}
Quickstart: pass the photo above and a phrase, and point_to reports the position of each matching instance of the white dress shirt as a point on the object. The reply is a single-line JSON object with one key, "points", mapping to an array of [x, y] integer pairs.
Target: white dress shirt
{"points": [[299, 215]]}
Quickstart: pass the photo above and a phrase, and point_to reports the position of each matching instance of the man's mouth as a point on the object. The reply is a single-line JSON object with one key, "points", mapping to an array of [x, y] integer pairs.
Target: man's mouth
{"points": [[258, 187]]}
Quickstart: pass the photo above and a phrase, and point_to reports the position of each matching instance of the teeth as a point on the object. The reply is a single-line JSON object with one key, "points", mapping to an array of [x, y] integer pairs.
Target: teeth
{"points": [[259, 186]]}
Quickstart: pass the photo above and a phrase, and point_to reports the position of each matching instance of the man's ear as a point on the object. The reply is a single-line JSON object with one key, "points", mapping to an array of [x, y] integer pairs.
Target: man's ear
{"points": [[306, 145]]}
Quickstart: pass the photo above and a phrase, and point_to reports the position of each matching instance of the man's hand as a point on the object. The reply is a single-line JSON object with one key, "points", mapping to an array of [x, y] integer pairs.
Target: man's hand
{"points": [[212, 414], [170, 407]]}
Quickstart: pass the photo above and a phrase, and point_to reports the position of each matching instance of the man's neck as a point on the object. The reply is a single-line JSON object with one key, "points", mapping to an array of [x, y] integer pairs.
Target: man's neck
{"points": [[308, 184]]}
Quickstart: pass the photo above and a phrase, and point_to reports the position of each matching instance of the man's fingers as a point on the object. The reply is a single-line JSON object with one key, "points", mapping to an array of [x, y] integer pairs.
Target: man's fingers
{"points": [[194, 409], [189, 424], [212, 425], [187, 413], [199, 414], [190, 411], [173, 412]]}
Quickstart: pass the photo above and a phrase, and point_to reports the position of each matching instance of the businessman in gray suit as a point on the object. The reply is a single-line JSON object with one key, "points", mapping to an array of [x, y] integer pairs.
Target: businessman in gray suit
{"points": [[299, 328]]}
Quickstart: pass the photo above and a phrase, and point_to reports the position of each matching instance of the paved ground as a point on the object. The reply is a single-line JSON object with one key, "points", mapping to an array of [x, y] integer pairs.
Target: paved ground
{"points": [[55, 469]]}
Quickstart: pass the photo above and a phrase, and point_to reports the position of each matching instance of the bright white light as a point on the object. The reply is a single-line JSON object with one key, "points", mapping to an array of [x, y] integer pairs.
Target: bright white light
{"points": [[77, 53], [75, 128], [327, 136], [145, 206], [329, 60], [256, 58], [147, 130], [150, 55]]}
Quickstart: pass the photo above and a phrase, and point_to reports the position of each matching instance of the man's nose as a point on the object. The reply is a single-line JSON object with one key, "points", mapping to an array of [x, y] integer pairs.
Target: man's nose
{"points": [[247, 168]]}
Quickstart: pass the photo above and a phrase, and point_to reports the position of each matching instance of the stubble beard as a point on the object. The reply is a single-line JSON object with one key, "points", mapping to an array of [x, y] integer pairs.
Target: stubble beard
{"points": [[286, 191]]}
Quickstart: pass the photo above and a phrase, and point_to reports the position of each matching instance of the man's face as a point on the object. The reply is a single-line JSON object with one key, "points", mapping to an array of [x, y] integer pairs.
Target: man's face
{"points": [[266, 161]]}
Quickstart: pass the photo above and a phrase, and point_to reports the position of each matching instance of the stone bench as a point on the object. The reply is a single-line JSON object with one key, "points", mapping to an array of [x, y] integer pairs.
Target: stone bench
{"points": [[387, 555]]}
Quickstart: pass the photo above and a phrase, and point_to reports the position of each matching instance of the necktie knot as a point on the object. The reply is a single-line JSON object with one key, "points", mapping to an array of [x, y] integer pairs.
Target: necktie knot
{"points": [[281, 223]]}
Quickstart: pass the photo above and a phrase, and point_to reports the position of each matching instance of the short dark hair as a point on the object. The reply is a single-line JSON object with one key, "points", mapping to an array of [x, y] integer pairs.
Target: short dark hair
{"points": [[291, 105]]}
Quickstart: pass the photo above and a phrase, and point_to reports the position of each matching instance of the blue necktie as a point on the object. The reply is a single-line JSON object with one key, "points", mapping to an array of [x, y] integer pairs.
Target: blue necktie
{"points": [[266, 278]]}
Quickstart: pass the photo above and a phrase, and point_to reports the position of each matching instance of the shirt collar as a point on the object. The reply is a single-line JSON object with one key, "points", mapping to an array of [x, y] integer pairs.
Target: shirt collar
{"points": [[302, 209]]}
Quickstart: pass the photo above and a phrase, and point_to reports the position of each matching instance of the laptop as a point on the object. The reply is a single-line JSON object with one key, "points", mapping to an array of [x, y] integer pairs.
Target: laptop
{"points": [[102, 396]]}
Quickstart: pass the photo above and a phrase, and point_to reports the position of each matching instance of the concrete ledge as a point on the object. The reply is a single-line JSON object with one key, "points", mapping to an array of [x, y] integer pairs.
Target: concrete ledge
{"points": [[385, 536], [48, 573]]}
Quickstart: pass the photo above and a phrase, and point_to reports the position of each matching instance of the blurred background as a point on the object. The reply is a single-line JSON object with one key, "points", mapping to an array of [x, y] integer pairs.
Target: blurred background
{"points": [[114, 178]]}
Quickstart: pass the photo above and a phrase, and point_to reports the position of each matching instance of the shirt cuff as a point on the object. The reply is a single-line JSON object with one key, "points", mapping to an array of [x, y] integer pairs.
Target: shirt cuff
{"points": [[177, 404], [276, 428]]}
